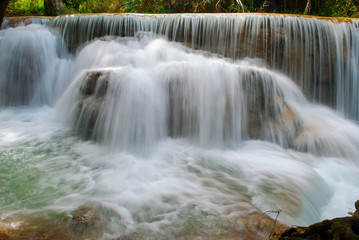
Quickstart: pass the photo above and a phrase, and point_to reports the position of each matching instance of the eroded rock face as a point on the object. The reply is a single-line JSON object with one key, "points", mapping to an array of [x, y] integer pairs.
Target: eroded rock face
{"points": [[269, 117], [92, 92]]}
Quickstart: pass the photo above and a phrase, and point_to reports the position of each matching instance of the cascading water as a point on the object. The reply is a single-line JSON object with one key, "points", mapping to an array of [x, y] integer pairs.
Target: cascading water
{"points": [[177, 142], [29, 65], [321, 56]]}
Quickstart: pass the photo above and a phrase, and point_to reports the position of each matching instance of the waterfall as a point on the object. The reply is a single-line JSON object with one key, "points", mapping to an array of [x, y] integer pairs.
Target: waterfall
{"points": [[177, 126], [320, 55], [29, 66], [133, 93]]}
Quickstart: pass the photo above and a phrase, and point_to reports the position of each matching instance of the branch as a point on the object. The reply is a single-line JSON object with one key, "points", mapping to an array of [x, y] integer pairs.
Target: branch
{"points": [[240, 3], [271, 235]]}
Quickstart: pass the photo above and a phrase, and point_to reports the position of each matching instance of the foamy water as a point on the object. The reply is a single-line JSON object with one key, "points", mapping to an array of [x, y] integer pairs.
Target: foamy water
{"points": [[174, 158]]}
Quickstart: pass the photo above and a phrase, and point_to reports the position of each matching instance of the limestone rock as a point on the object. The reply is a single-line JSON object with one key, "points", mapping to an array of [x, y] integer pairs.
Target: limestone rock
{"points": [[269, 117], [84, 218], [90, 105], [260, 226], [27, 227]]}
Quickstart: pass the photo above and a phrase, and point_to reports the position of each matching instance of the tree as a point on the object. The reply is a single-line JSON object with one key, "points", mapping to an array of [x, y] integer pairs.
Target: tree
{"points": [[53, 7], [3, 6], [308, 8]]}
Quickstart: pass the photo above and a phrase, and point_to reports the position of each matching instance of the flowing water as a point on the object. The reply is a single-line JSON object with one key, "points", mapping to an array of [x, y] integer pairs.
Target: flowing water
{"points": [[177, 140]]}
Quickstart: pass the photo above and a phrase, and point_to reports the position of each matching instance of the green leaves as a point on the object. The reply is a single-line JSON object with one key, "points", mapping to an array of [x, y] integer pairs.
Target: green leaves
{"points": [[26, 7], [334, 8]]}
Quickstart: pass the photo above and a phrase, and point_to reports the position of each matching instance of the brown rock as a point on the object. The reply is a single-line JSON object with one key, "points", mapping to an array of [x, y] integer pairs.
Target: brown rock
{"points": [[91, 103], [260, 226], [346, 228], [269, 117], [26, 227], [84, 218]]}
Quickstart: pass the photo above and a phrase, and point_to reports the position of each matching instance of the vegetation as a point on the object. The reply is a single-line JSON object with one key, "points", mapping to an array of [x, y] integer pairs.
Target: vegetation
{"points": [[334, 8]]}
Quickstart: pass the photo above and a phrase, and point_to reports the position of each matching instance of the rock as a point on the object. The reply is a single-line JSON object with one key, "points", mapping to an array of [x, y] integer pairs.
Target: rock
{"points": [[356, 213], [26, 20], [95, 83], [269, 117], [83, 219], [346, 228], [28, 227], [259, 226], [90, 105]]}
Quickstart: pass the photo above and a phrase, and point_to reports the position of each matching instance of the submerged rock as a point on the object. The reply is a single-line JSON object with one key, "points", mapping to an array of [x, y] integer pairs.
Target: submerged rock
{"points": [[83, 219], [82, 224], [27, 227]]}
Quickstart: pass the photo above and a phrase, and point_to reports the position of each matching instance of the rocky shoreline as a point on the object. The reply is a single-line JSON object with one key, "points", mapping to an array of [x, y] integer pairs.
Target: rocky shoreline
{"points": [[85, 223]]}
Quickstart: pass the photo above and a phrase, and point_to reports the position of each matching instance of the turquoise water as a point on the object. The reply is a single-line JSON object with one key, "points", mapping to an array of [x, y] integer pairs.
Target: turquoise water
{"points": [[147, 184]]}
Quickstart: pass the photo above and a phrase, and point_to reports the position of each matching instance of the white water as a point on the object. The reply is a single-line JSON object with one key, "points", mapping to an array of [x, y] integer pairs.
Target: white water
{"points": [[150, 175], [320, 56]]}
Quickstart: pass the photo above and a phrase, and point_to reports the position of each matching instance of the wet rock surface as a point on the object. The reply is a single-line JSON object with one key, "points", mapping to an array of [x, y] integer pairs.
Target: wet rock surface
{"points": [[81, 224], [27, 227], [92, 92], [25, 20], [269, 117], [346, 228], [259, 226], [83, 219], [339, 228]]}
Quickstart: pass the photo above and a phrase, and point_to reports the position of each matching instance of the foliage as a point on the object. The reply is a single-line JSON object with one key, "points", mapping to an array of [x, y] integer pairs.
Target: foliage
{"points": [[337, 8], [333, 8], [25, 7], [95, 6]]}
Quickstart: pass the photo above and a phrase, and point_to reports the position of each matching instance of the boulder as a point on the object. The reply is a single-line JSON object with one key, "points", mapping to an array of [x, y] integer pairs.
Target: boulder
{"points": [[90, 105], [269, 117], [346, 228]]}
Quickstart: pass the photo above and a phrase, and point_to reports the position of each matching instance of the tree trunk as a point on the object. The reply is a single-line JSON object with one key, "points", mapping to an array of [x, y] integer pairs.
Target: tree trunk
{"points": [[308, 8], [3, 5], [53, 7]]}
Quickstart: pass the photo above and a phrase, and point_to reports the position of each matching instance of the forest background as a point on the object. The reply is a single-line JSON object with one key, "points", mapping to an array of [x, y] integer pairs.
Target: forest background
{"points": [[332, 8]]}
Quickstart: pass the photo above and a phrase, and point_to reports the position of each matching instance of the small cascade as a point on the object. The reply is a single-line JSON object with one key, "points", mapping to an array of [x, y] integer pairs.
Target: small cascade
{"points": [[29, 66], [320, 55], [156, 89]]}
